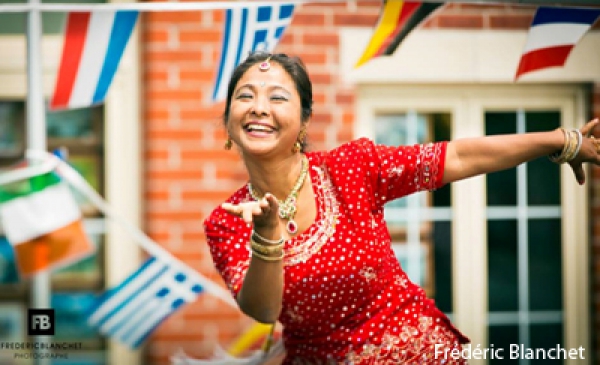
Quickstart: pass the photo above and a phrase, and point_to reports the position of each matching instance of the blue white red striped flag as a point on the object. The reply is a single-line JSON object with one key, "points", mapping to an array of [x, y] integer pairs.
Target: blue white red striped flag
{"points": [[553, 34], [93, 46], [130, 311], [249, 29]]}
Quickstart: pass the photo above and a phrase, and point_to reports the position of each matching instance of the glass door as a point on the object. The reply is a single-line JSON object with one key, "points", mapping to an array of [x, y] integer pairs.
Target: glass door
{"points": [[510, 249], [524, 246]]}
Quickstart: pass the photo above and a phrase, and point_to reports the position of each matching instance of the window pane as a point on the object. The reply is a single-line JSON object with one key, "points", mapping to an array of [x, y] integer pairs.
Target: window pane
{"points": [[501, 185], [12, 132], [502, 188], [543, 176], [9, 273], [501, 337], [542, 121], [545, 266], [546, 336], [396, 129], [74, 123], [441, 126], [500, 122], [543, 182], [502, 259], [442, 247], [52, 22], [71, 318]]}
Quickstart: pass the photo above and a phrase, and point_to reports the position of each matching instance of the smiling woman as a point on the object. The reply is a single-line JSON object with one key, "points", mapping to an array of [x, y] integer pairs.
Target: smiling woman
{"points": [[260, 115], [305, 242]]}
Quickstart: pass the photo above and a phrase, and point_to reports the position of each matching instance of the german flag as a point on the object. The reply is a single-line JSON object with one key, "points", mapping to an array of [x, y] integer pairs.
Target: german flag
{"points": [[397, 19]]}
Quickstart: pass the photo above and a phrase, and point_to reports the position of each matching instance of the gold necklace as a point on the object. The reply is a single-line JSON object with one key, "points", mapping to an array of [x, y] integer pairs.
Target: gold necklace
{"points": [[287, 208]]}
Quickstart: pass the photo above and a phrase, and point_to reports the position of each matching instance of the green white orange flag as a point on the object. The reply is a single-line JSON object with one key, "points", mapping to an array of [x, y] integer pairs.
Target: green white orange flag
{"points": [[43, 224], [397, 19]]}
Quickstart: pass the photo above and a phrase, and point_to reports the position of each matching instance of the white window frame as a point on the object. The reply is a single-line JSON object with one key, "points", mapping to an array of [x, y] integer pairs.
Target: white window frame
{"points": [[467, 105], [122, 152]]}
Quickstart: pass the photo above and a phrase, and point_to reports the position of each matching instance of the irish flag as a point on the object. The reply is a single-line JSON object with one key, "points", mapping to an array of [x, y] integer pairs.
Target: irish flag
{"points": [[43, 224]]}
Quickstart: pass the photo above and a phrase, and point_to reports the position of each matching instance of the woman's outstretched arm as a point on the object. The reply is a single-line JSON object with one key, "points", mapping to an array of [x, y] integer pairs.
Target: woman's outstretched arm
{"points": [[475, 156], [262, 291]]}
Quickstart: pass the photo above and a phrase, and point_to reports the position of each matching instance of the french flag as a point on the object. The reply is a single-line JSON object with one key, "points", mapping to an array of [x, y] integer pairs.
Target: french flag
{"points": [[93, 46], [553, 34]]}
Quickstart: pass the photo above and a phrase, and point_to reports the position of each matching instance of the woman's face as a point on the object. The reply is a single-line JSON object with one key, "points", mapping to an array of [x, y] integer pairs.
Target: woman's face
{"points": [[264, 116]]}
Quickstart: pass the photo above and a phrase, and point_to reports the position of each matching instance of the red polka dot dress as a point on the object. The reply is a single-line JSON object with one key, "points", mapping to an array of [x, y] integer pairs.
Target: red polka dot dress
{"points": [[346, 299]]}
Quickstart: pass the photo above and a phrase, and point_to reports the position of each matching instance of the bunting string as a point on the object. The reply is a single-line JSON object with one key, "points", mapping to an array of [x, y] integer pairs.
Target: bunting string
{"points": [[148, 7], [15, 175], [214, 5], [72, 177]]}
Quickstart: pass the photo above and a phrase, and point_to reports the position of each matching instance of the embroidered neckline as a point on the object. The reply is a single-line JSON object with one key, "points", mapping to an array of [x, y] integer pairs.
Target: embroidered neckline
{"points": [[300, 248]]}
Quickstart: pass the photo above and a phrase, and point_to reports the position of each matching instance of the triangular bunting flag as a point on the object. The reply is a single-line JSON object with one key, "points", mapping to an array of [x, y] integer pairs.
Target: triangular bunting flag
{"points": [[93, 46], [553, 34], [249, 29], [397, 20], [130, 311], [43, 224]]}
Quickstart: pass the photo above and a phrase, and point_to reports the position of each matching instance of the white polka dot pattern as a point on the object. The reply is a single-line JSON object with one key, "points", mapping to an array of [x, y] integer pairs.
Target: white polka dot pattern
{"points": [[346, 298]]}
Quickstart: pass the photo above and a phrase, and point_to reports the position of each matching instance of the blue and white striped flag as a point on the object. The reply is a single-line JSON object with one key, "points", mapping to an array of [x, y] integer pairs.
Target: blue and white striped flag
{"points": [[249, 29], [130, 311]]}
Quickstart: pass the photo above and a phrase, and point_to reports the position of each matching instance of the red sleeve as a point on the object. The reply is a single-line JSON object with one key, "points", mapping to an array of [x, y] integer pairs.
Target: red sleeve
{"points": [[390, 172], [227, 238], [408, 169]]}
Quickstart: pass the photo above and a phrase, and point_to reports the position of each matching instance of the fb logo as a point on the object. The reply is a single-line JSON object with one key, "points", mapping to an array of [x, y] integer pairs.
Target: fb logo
{"points": [[40, 322]]}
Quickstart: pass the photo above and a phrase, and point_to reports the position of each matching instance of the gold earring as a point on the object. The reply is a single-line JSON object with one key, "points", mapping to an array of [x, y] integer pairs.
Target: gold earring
{"points": [[298, 145], [228, 144]]}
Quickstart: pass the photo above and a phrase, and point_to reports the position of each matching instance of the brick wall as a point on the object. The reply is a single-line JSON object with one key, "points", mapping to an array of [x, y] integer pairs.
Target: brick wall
{"points": [[187, 171]]}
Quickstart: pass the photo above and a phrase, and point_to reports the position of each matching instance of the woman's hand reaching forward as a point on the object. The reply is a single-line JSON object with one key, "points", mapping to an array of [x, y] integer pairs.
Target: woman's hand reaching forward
{"points": [[589, 151], [263, 214]]}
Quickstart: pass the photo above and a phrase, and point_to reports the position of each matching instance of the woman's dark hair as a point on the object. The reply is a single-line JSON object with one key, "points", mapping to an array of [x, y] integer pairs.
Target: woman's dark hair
{"points": [[292, 65]]}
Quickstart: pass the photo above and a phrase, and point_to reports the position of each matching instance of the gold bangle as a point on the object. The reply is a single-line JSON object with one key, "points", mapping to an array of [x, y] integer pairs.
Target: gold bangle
{"points": [[258, 238], [266, 250], [557, 156], [267, 258], [570, 149], [579, 142], [570, 153], [567, 149]]}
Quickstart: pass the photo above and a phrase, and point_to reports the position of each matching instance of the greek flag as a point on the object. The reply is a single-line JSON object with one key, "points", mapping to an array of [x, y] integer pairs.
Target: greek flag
{"points": [[249, 29], [130, 311]]}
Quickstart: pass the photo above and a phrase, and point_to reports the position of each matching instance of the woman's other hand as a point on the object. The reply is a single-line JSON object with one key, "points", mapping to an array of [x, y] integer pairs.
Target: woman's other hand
{"points": [[589, 152], [262, 213]]}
